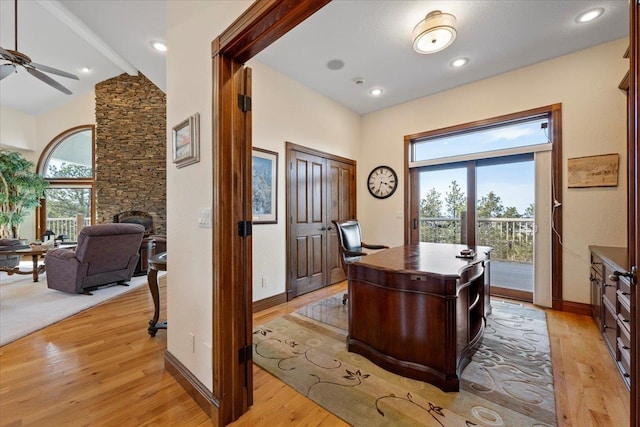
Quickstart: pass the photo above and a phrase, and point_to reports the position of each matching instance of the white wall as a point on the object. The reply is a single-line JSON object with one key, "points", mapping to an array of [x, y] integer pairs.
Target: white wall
{"points": [[593, 122], [189, 90], [31, 134], [284, 110]]}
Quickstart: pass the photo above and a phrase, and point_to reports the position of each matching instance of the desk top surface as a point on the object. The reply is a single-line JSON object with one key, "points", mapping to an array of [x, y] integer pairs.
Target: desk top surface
{"points": [[435, 258]]}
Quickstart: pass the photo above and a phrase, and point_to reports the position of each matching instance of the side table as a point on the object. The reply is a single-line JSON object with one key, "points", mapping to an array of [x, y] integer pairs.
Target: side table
{"points": [[157, 263]]}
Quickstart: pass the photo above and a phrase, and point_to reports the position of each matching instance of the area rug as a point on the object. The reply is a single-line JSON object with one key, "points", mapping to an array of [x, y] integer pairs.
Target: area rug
{"points": [[27, 306], [509, 381]]}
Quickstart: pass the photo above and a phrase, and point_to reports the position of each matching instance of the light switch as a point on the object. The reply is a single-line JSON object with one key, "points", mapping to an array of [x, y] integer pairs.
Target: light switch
{"points": [[205, 218]]}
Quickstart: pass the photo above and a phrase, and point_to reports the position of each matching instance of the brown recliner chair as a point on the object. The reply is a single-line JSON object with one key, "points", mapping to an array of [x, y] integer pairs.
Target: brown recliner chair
{"points": [[351, 245], [106, 253]]}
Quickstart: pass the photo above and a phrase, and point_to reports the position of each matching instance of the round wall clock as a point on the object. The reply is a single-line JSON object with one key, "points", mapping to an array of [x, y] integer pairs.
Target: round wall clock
{"points": [[382, 182]]}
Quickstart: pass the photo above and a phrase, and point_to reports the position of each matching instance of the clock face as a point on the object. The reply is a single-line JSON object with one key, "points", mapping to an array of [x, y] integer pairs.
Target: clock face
{"points": [[382, 182]]}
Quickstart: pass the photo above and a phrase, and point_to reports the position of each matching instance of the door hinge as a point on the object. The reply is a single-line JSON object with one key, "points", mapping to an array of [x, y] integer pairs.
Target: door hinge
{"points": [[245, 354], [244, 102], [244, 228]]}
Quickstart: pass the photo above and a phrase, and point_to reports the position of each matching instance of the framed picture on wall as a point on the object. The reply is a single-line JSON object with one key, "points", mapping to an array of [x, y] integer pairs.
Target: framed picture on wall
{"points": [[264, 186], [593, 171], [186, 141]]}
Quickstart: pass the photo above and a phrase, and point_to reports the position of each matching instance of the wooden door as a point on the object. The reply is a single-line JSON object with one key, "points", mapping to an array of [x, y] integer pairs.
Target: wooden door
{"points": [[308, 223], [320, 189], [341, 196]]}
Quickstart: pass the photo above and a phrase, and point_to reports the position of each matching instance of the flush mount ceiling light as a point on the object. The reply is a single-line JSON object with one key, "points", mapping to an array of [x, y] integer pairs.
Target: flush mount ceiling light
{"points": [[589, 15], [375, 92], [434, 33]]}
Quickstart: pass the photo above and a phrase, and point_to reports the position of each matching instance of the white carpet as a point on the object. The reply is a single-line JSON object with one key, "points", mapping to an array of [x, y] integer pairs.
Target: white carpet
{"points": [[27, 306]]}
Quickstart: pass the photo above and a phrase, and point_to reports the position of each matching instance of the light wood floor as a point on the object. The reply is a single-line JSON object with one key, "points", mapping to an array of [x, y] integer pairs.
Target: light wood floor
{"points": [[101, 368]]}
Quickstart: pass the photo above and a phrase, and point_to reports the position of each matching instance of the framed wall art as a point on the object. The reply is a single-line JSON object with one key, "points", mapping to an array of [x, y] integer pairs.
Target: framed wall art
{"points": [[264, 186], [593, 171], [186, 141]]}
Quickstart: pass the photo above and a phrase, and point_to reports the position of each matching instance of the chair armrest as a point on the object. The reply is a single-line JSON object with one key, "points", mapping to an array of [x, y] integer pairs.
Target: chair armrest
{"points": [[353, 253], [367, 246], [60, 253]]}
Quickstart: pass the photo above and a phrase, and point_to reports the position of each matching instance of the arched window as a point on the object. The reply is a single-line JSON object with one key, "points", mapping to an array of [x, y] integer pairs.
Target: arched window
{"points": [[68, 164]]}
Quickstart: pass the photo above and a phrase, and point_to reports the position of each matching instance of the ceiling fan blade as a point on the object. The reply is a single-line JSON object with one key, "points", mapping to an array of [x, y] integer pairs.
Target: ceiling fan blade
{"points": [[48, 80], [6, 55], [52, 70], [6, 69]]}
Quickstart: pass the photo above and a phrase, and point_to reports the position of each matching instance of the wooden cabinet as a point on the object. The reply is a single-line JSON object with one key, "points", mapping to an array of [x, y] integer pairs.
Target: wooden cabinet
{"points": [[611, 303]]}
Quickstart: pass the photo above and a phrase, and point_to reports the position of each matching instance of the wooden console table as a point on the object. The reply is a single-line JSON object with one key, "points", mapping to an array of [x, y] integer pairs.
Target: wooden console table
{"points": [[35, 254], [418, 310], [156, 263]]}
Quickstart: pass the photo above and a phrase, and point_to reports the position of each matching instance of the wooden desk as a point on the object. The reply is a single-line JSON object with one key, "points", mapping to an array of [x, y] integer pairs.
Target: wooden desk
{"points": [[419, 311]]}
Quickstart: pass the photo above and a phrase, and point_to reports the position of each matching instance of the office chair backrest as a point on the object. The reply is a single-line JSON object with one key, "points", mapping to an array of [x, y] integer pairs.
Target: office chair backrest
{"points": [[349, 235]]}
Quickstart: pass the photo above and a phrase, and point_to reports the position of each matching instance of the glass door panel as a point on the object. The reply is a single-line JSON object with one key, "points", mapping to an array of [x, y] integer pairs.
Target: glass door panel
{"points": [[443, 202], [67, 211], [505, 220]]}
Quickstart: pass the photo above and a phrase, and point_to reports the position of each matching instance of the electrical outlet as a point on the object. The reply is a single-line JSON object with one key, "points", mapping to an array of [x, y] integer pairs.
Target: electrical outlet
{"points": [[264, 282]]}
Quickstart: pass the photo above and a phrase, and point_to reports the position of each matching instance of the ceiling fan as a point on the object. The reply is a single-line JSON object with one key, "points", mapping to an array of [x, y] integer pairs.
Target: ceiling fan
{"points": [[15, 57]]}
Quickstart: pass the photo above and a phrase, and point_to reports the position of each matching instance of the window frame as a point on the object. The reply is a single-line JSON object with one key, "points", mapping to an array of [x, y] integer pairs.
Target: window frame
{"points": [[41, 219], [411, 180]]}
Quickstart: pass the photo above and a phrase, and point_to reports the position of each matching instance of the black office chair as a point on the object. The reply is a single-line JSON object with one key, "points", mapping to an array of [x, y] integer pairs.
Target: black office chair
{"points": [[351, 245]]}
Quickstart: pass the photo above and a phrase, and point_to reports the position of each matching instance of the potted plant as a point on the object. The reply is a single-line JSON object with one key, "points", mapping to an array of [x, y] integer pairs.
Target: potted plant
{"points": [[20, 191]]}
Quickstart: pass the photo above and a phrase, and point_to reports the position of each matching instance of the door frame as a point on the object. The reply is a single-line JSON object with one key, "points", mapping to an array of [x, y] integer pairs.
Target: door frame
{"points": [[290, 147], [261, 24]]}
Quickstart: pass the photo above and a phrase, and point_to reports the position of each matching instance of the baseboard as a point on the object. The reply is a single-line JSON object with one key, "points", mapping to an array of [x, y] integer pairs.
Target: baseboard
{"points": [[269, 302], [198, 391], [572, 307]]}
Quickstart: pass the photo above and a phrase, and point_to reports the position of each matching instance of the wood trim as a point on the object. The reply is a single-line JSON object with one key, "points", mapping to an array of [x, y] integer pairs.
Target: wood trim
{"points": [[269, 302], [574, 307], [198, 391], [260, 25], [264, 23]]}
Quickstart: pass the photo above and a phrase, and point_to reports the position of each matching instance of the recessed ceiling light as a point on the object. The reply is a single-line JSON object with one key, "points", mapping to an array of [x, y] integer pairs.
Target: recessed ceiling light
{"points": [[85, 69], [159, 46], [589, 15], [459, 62], [376, 92]]}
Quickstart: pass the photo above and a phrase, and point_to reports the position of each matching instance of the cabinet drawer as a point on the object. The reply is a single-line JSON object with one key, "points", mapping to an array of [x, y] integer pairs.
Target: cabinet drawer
{"points": [[625, 362], [609, 291], [624, 287], [609, 330]]}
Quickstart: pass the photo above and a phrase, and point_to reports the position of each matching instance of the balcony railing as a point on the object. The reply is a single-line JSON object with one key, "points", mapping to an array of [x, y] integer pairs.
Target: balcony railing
{"points": [[66, 226], [511, 238]]}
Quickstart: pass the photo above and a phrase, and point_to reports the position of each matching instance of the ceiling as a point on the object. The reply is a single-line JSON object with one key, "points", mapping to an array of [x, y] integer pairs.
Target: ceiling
{"points": [[372, 38]]}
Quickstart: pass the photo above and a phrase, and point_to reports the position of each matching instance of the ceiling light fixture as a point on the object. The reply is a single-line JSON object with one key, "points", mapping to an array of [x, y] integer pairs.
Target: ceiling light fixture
{"points": [[434, 33], [376, 92], [85, 69], [459, 62], [159, 46], [589, 15]]}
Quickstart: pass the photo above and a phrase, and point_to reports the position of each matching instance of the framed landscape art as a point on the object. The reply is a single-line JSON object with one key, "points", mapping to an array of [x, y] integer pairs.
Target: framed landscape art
{"points": [[264, 186], [186, 141], [593, 171]]}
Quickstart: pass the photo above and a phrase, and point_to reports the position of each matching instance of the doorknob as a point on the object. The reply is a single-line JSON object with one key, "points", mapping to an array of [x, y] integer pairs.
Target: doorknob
{"points": [[323, 228], [329, 228]]}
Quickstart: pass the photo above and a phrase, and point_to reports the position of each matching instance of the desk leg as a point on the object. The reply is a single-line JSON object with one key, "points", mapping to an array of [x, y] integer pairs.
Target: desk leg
{"points": [[152, 279]]}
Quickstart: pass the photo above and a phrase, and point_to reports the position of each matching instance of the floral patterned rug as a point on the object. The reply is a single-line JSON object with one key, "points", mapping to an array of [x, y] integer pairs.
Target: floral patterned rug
{"points": [[508, 383]]}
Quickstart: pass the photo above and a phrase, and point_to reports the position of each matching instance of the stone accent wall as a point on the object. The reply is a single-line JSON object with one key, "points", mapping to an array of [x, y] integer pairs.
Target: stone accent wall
{"points": [[131, 149]]}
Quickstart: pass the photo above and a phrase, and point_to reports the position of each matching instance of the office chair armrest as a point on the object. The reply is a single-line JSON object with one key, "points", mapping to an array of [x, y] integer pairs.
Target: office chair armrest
{"points": [[367, 246], [353, 253]]}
